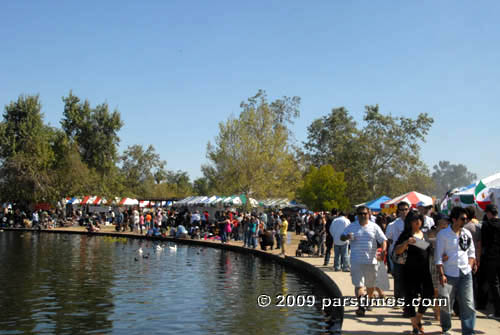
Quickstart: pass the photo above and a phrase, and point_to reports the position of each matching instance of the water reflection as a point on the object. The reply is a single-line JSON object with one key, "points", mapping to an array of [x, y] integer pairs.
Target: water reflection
{"points": [[60, 284]]}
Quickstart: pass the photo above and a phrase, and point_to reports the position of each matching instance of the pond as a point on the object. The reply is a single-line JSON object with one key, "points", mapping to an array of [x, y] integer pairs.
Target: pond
{"points": [[64, 284]]}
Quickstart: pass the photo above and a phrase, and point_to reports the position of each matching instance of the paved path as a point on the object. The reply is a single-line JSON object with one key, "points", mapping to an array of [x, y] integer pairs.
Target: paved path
{"points": [[382, 320]]}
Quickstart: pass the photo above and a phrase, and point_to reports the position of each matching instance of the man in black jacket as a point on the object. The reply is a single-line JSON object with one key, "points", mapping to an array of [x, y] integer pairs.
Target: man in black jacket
{"points": [[490, 240]]}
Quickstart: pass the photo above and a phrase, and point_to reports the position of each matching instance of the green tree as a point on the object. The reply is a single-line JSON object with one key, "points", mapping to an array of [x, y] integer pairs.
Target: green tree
{"points": [[382, 157], [324, 189], [141, 168], [179, 182], [95, 131], [395, 149], [201, 186], [26, 153], [335, 139], [252, 153], [71, 175], [447, 176]]}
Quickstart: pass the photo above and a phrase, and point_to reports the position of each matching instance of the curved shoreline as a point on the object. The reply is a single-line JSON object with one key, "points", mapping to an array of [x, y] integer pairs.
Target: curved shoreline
{"points": [[303, 267]]}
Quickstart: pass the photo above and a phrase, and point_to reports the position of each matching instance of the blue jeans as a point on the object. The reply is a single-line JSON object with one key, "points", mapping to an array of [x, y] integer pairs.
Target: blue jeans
{"points": [[459, 288], [223, 237], [253, 241], [246, 239], [341, 257]]}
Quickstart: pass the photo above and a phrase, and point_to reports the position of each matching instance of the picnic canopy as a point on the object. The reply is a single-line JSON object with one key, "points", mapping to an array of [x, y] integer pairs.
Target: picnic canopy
{"points": [[375, 205], [234, 201], [411, 198], [461, 197]]}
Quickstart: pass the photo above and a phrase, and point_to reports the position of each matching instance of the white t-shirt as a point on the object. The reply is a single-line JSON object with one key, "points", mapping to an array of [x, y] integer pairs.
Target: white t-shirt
{"points": [[337, 228], [195, 217], [364, 245], [393, 230]]}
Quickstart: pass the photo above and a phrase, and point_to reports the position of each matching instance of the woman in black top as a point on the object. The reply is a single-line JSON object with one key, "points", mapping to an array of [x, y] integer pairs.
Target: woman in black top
{"points": [[416, 269]]}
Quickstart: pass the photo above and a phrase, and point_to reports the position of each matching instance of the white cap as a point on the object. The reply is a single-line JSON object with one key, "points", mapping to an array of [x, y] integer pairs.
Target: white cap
{"points": [[423, 204]]}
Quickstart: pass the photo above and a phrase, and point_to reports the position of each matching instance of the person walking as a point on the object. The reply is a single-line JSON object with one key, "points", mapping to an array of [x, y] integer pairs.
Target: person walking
{"points": [[416, 268], [455, 271], [329, 237], [490, 241], [340, 247], [363, 236], [393, 231]]}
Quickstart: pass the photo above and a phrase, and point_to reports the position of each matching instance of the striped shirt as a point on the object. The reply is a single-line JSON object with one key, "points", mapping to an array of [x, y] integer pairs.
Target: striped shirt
{"points": [[364, 244]]}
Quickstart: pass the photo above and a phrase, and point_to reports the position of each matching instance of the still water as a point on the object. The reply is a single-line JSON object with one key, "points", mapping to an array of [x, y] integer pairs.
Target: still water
{"points": [[68, 284]]}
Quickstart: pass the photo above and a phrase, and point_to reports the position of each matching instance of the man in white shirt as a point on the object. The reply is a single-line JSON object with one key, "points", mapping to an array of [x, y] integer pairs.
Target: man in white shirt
{"points": [[340, 248], [455, 274], [424, 209], [195, 219], [393, 231], [363, 237]]}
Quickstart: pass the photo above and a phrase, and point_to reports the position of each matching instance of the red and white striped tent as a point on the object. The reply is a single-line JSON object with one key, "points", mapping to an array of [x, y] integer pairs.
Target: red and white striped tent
{"points": [[144, 203], [92, 200], [411, 198], [127, 202]]}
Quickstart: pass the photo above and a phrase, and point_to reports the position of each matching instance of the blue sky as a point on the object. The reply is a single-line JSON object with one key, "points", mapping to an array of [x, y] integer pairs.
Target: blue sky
{"points": [[175, 69]]}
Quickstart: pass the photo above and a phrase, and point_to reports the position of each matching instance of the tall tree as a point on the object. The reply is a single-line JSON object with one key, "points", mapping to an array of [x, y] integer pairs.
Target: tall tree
{"points": [[394, 150], [179, 182], [72, 176], [252, 153], [324, 189], [201, 186], [447, 176], [382, 157], [141, 168], [26, 152], [95, 131]]}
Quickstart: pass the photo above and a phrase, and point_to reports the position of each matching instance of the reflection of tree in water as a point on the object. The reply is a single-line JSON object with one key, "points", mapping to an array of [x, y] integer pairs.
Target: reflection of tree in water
{"points": [[241, 279], [58, 283], [66, 284]]}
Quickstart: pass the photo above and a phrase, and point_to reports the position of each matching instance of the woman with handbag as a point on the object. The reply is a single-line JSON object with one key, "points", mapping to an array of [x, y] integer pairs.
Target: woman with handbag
{"points": [[415, 269]]}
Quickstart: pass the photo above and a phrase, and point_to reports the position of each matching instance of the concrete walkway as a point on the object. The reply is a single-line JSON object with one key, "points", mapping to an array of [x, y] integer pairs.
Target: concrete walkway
{"points": [[381, 320]]}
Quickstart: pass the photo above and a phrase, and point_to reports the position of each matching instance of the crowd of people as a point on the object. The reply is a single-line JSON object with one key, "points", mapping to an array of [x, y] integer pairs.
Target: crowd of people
{"points": [[429, 255], [455, 258]]}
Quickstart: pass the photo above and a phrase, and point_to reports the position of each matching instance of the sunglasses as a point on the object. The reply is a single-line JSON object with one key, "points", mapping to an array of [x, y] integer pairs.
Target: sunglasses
{"points": [[363, 213], [463, 218]]}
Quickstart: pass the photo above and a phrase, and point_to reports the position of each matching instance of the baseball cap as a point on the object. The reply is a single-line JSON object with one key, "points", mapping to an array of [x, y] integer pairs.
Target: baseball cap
{"points": [[423, 204], [491, 208]]}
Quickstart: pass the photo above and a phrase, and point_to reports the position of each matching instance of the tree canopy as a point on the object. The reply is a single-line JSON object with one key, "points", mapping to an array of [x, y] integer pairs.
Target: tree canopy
{"points": [[447, 176], [382, 157], [252, 153], [324, 189], [40, 163]]}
